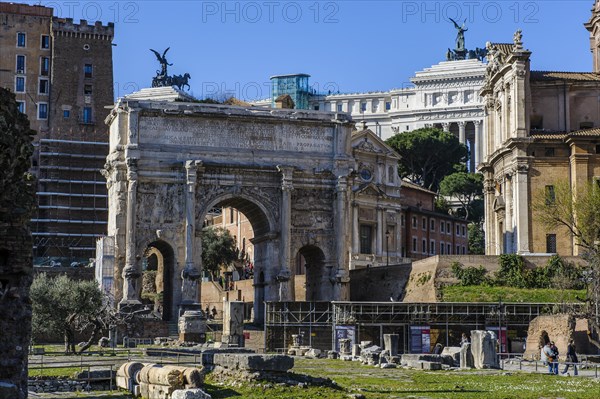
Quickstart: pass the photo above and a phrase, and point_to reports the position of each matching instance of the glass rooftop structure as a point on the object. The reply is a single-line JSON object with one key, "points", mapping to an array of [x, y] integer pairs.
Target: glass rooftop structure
{"points": [[296, 85]]}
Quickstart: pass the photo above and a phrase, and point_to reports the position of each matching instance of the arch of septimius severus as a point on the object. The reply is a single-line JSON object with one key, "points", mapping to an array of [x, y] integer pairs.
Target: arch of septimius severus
{"points": [[171, 162]]}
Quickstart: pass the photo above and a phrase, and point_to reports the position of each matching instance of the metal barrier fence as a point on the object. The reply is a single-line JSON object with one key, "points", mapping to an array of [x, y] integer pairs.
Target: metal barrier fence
{"points": [[537, 365], [112, 359]]}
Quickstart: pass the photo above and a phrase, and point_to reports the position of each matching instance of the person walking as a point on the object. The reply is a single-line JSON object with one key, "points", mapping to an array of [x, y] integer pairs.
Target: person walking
{"points": [[571, 359]]}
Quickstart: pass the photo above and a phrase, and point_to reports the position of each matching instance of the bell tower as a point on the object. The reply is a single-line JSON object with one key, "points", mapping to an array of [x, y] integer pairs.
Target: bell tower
{"points": [[593, 26]]}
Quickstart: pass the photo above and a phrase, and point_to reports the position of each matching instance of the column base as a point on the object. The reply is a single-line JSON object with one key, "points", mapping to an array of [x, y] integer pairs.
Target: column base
{"points": [[192, 306], [130, 306]]}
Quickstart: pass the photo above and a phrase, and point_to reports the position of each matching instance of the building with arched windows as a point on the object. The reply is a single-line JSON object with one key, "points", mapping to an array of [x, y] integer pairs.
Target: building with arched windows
{"points": [[541, 130]]}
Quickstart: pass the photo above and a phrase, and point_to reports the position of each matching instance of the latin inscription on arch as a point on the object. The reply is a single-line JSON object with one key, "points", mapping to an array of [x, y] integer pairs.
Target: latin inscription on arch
{"points": [[226, 134]]}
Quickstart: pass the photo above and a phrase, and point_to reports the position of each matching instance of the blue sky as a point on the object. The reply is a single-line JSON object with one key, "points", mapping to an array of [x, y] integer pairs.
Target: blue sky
{"points": [[350, 46]]}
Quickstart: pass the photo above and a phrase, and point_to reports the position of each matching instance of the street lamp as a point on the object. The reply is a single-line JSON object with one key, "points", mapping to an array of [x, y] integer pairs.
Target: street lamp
{"points": [[387, 252], [500, 309]]}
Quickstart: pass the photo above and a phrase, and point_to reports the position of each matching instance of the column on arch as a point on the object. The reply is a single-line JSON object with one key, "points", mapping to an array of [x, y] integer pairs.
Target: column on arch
{"points": [[190, 275], [131, 272], [285, 274]]}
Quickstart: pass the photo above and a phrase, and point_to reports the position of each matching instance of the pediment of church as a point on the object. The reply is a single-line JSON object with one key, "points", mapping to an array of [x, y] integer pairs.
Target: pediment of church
{"points": [[369, 189], [368, 142]]}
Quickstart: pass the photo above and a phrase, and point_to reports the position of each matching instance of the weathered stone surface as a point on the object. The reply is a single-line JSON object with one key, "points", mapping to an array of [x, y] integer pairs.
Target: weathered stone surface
{"points": [[466, 357], [483, 347], [190, 394], [209, 354], [233, 323], [423, 365], [332, 355], [452, 352], [253, 156], [427, 357], [345, 346], [126, 375], [313, 353], [356, 350], [280, 363], [154, 391], [96, 374], [159, 375], [558, 328], [192, 326], [390, 343]]}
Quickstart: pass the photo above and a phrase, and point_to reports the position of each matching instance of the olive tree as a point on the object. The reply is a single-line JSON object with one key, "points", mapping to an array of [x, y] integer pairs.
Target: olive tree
{"points": [[63, 306]]}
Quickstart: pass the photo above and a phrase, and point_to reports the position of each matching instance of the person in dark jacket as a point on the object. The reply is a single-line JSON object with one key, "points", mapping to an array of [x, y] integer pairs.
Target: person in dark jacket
{"points": [[571, 358]]}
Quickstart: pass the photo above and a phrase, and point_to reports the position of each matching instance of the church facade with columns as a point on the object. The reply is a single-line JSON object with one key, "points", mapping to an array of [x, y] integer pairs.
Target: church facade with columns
{"points": [[542, 130]]}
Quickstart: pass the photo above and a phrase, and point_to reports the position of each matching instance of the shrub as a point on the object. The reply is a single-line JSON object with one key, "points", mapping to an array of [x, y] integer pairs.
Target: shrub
{"points": [[511, 273], [470, 275]]}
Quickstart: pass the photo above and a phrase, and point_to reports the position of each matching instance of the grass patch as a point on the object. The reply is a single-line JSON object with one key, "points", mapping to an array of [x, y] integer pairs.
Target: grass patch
{"points": [[374, 383], [66, 372], [480, 293]]}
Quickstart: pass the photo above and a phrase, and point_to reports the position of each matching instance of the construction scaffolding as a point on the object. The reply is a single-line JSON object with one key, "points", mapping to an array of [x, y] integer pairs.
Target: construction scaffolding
{"points": [[420, 325], [72, 201]]}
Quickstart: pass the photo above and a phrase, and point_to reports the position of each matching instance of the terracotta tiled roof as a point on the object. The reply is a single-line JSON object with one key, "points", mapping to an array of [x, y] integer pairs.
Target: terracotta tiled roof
{"points": [[562, 135], [557, 75], [410, 184]]}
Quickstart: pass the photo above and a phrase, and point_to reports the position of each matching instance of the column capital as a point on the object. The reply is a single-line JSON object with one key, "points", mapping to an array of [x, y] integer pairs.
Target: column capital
{"points": [[477, 122], [342, 184], [287, 177], [461, 123], [191, 170], [132, 169]]}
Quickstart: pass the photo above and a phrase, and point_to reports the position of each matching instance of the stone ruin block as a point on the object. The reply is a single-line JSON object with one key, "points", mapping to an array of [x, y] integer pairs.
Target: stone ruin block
{"points": [[390, 343], [345, 346], [452, 352], [558, 328], [190, 394], [126, 377], [233, 323], [355, 350], [277, 363], [483, 347], [370, 355], [159, 382], [313, 353], [423, 365], [332, 355]]}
